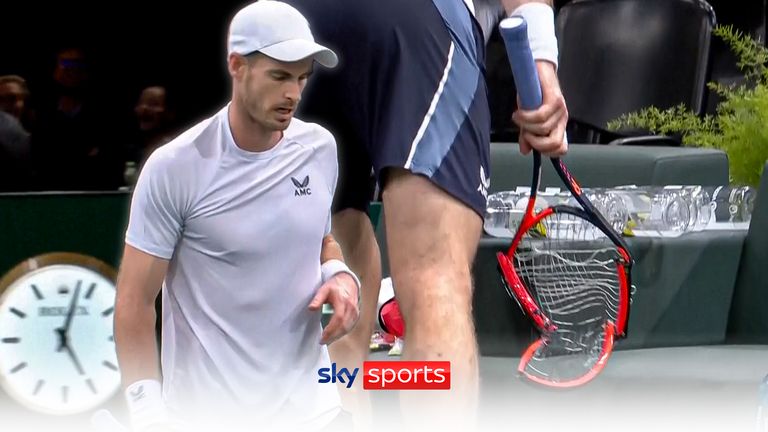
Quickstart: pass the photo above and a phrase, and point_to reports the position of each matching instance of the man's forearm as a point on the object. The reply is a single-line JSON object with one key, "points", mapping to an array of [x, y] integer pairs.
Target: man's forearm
{"points": [[136, 341], [511, 5], [330, 250], [332, 262]]}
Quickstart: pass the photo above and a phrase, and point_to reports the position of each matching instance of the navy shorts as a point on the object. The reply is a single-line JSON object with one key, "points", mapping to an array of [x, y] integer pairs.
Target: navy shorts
{"points": [[409, 92]]}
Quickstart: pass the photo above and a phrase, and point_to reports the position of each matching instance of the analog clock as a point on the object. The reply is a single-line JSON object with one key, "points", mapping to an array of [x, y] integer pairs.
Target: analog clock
{"points": [[57, 351]]}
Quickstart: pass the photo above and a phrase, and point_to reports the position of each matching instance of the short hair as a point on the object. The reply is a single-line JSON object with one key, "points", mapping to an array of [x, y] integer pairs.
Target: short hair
{"points": [[4, 79]]}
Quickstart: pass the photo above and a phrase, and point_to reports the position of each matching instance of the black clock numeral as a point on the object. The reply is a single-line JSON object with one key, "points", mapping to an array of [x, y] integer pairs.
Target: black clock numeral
{"points": [[89, 382], [11, 340], [18, 313], [64, 393], [108, 312], [64, 290], [89, 293], [19, 367], [109, 365], [38, 386], [37, 292]]}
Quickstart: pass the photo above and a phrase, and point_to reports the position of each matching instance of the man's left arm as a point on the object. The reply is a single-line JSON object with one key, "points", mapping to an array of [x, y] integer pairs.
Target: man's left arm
{"points": [[542, 129], [340, 289]]}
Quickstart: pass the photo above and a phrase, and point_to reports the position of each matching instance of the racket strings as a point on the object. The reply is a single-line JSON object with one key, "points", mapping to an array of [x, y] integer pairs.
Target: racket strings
{"points": [[573, 277], [568, 293], [567, 226], [570, 268], [565, 356]]}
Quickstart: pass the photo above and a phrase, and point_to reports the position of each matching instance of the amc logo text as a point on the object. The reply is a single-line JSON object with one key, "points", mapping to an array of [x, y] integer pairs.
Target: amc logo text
{"points": [[393, 375]]}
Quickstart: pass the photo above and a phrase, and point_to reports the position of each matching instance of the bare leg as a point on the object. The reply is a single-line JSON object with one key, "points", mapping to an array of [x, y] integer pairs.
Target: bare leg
{"points": [[354, 232], [432, 240]]}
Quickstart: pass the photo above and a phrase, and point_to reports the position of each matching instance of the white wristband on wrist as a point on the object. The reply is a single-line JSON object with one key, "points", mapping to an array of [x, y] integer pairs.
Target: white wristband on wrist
{"points": [[145, 404], [541, 30], [332, 267]]}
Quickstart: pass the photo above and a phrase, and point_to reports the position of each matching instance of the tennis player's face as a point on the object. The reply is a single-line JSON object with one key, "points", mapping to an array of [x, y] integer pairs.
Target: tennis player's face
{"points": [[272, 90]]}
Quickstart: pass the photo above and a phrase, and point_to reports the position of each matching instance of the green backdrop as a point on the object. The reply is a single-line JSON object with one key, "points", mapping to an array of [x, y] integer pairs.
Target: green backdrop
{"points": [[88, 223]]}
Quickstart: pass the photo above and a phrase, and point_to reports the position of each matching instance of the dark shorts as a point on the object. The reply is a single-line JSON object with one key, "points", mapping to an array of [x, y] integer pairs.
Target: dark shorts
{"points": [[409, 92]]}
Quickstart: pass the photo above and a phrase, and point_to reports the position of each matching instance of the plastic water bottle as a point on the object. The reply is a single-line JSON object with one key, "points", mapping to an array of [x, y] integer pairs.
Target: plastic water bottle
{"points": [[505, 209], [655, 211], [673, 211], [130, 173], [504, 212], [611, 206], [651, 211], [702, 202], [761, 423], [732, 206], [699, 204], [744, 200]]}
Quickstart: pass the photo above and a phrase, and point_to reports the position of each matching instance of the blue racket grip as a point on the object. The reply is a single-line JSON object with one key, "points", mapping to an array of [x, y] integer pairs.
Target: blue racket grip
{"points": [[514, 32]]}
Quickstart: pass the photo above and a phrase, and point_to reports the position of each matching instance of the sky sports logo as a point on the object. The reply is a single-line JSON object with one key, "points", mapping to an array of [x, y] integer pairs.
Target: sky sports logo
{"points": [[392, 375]]}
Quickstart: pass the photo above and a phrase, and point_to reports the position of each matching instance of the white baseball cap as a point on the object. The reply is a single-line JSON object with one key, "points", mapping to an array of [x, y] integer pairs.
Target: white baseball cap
{"points": [[277, 30]]}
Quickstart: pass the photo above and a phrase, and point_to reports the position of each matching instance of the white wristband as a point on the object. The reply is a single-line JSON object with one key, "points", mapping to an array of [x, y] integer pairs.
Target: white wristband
{"points": [[332, 267], [541, 30], [145, 404]]}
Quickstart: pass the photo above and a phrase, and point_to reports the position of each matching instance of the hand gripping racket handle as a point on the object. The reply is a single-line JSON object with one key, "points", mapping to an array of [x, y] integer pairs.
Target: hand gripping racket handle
{"points": [[514, 31]]}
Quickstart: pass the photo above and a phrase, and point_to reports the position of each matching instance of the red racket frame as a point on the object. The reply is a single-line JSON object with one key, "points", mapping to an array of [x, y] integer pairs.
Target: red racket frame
{"points": [[526, 301]]}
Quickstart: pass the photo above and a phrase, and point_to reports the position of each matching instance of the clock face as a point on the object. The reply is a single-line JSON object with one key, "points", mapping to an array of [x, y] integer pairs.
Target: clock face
{"points": [[57, 351]]}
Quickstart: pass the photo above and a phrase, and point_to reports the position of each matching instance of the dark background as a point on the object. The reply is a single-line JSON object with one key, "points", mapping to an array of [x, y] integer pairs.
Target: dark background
{"points": [[129, 44], [182, 45]]}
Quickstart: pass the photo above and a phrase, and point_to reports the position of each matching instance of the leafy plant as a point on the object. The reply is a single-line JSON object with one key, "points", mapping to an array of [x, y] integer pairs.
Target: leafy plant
{"points": [[740, 125]]}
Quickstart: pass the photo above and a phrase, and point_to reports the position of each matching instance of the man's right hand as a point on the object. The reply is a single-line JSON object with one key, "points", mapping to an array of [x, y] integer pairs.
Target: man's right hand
{"points": [[544, 128], [341, 292], [147, 409]]}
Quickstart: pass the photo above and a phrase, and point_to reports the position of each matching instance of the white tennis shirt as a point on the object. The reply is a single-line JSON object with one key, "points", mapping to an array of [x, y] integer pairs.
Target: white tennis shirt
{"points": [[243, 233]]}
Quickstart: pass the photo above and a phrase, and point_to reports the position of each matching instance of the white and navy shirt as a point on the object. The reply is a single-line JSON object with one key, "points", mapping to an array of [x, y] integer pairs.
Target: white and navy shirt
{"points": [[243, 232]]}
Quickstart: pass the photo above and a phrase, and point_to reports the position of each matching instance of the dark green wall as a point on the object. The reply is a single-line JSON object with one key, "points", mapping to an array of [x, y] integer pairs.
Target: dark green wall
{"points": [[88, 223]]}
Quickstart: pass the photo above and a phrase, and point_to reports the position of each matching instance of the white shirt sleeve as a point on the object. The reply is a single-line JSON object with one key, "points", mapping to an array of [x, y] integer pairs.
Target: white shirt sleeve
{"points": [[328, 224], [156, 216], [333, 166]]}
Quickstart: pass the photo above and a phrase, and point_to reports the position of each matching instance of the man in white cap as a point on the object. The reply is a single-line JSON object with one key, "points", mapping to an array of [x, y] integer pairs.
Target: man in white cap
{"points": [[232, 219]]}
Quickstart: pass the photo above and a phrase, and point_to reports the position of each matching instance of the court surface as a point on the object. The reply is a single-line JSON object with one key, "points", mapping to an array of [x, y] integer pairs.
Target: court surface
{"points": [[705, 388]]}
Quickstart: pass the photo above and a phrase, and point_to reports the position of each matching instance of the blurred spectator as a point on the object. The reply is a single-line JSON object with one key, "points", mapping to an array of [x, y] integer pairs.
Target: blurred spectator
{"points": [[75, 143], [14, 99], [15, 158], [154, 117]]}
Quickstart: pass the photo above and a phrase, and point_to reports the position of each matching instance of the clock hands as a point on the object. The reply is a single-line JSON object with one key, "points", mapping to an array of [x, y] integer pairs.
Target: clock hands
{"points": [[74, 359], [63, 331], [59, 340], [72, 308], [62, 339]]}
